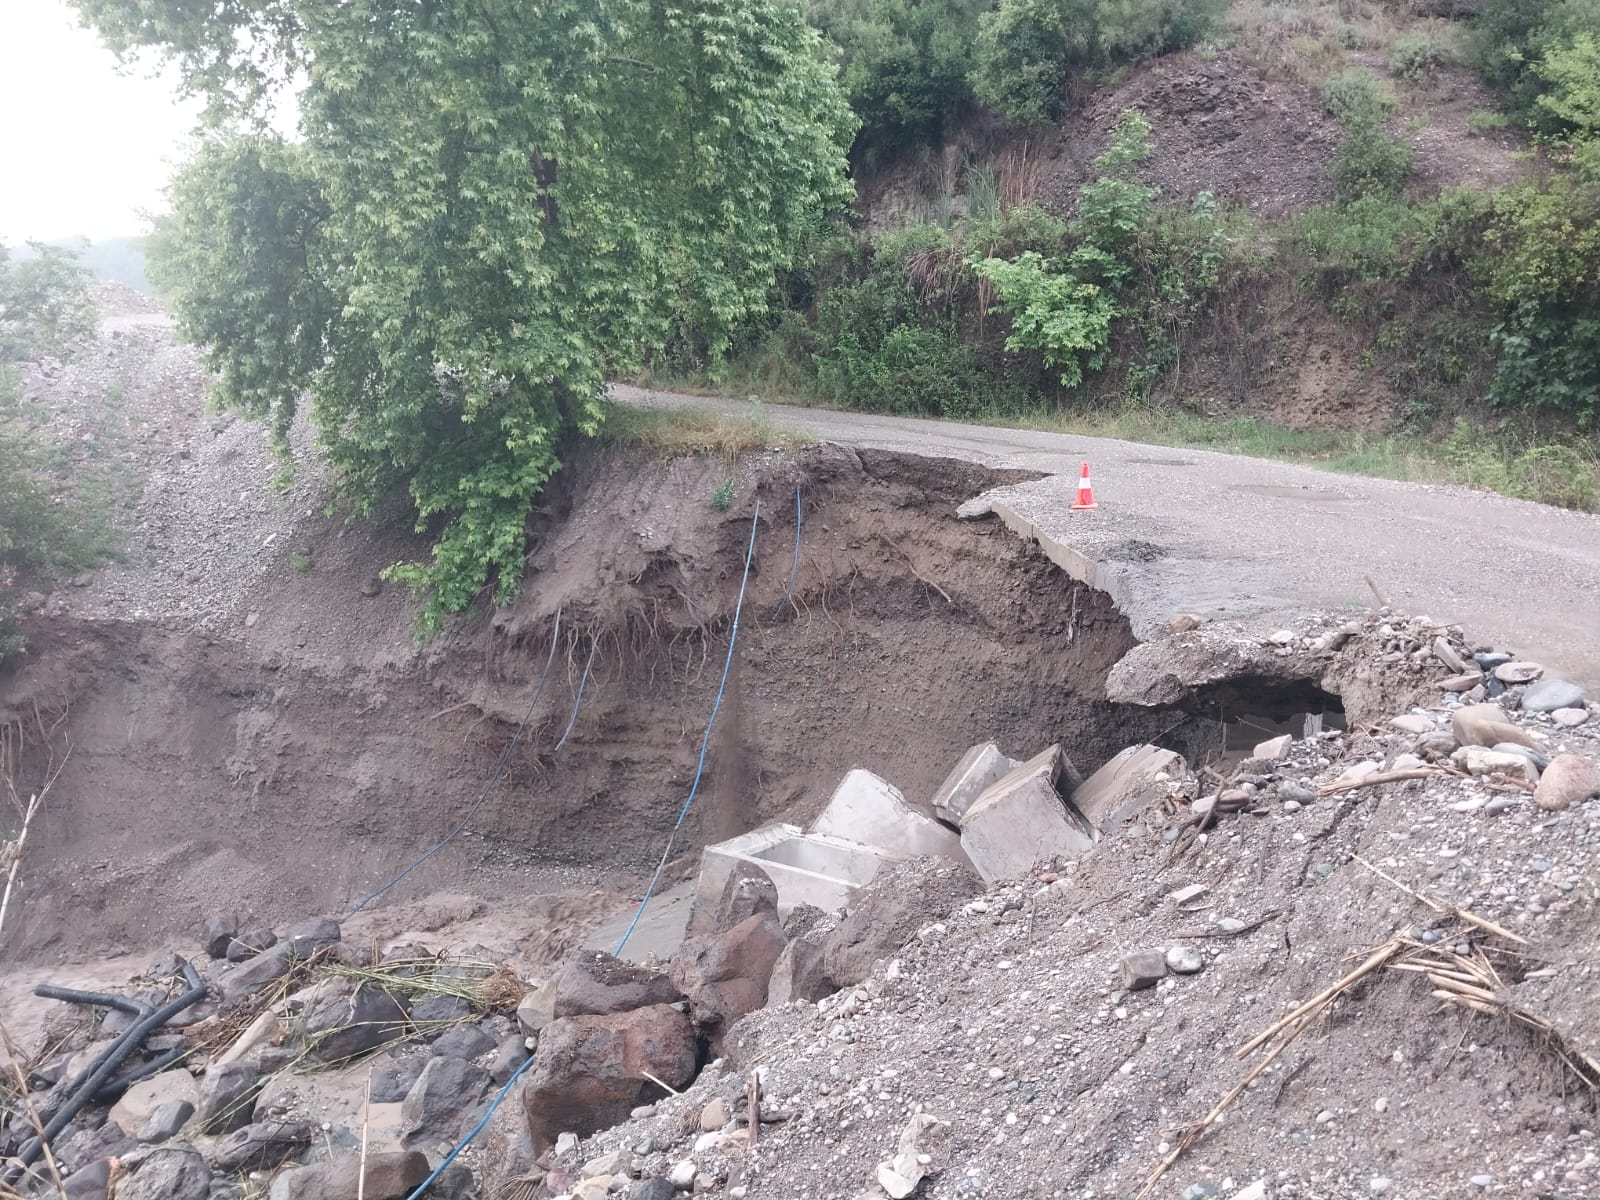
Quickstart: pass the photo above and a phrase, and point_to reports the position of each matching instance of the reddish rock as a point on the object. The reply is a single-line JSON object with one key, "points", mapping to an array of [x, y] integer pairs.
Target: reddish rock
{"points": [[594, 983], [590, 1072], [725, 975]]}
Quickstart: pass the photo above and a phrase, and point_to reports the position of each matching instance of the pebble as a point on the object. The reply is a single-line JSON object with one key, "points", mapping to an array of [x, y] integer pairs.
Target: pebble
{"points": [[1412, 723], [1199, 1190], [1185, 960], [1293, 789], [1324, 1117], [1230, 924], [1381, 1104], [1570, 718], [1483, 1181], [1379, 1184]]}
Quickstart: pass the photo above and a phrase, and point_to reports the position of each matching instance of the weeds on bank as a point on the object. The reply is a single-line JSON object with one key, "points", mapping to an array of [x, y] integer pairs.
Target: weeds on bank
{"points": [[677, 431]]}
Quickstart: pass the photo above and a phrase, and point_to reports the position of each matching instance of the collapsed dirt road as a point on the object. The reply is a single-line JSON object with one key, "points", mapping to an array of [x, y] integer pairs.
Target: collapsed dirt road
{"points": [[1224, 536]]}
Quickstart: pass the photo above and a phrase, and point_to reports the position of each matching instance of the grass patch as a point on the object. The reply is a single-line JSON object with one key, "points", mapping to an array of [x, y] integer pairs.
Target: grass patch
{"points": [[675, 431]]}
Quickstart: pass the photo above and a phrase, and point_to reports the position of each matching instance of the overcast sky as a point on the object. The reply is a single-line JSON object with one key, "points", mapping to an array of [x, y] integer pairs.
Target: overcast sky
{"points": [[83, 148]]}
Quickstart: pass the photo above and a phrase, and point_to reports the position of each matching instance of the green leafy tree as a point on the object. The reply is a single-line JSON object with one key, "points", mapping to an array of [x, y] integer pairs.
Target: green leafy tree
{"points": [[43, 305], [491, 208], [1028, 50], [903, 64]]}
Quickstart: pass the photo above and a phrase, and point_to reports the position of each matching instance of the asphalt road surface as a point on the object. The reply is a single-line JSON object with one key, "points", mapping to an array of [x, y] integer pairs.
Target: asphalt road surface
{"points": [[1222, 536]]}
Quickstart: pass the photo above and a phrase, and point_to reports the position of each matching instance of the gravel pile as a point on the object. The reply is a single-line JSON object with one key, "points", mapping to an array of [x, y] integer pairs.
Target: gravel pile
{"points": [[1012, 1025], [192, 496]]}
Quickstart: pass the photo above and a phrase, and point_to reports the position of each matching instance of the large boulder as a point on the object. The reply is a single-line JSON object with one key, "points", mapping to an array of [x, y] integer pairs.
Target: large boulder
{"points": [[725, 975], [590, 1072], [438, 1103], [170, 1173], [346, 1024], [889, 912], [386, 1177], [594, 983], [1488, 725], [747, 891]]}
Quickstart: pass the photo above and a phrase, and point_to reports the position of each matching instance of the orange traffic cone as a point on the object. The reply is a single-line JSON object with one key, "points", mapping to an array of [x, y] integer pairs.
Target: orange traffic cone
{"points": [[1085, 491]]}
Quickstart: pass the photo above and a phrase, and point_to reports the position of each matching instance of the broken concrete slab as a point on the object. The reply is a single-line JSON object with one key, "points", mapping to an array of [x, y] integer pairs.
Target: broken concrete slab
{"points": [[814, 869], [868, 809], [980, 767], [1023, 819], [1127, 783]]}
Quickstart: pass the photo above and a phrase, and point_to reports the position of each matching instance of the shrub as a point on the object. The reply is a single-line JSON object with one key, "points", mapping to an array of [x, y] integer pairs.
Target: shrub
{"points": [[1367, 239], [1511, 39], [1414, 55], [1486, 122], [1354, 97], [1370, 163], [1066, 318], [1028, 50]]}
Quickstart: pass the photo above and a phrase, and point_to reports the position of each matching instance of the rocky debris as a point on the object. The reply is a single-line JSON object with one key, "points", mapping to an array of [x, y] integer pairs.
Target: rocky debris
{"points": [[591, 1072], [464, 1041], [145, 1098], [746, 891], [1518, 672], [93, 1182], [166, 1121], [437, 1105], [889, 912], [725, 975], [251, 974], [262, 1144], [594, 983], [228, 1094], [1548, 695], [1567, 781], [979, 768], [248, 945], [348, 1021], [1143, 969], [1023, 820], [537, 1007], [1185, 960], [391, 1176], [1488, 725], [218, 932], [801, 972], [167, 1173]]}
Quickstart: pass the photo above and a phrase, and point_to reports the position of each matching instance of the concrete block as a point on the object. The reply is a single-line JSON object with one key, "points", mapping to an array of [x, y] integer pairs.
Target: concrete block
{"points": [[979, 768], [1022, 819], [871, 811], [1113, 794], [815, 869]]}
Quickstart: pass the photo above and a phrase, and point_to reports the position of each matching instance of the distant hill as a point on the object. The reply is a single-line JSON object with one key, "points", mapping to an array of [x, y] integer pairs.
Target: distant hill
{"points": [[120, 258]]}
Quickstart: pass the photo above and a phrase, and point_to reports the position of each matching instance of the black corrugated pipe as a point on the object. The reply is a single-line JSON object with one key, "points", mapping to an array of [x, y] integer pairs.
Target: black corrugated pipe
{"points": [[87, 1090]]}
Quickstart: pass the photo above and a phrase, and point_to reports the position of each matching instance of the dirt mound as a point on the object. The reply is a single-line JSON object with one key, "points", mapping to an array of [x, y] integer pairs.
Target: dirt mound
{"points": [[1011, 1021], [1221, 126]]}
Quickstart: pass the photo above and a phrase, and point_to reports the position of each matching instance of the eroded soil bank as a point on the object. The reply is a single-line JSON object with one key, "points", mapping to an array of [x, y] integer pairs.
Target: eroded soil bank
{"points": [[297, 761]]}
